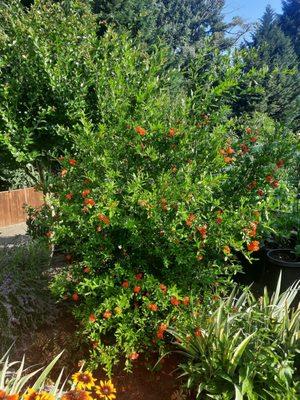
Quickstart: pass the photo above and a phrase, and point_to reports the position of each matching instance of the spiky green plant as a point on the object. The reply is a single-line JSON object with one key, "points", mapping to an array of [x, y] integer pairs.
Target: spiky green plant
{"points": [[15, 378], [242, 348]]}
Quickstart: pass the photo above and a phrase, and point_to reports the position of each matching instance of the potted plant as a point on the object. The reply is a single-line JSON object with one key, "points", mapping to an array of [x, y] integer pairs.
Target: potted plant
{"points": [[284, 258]]}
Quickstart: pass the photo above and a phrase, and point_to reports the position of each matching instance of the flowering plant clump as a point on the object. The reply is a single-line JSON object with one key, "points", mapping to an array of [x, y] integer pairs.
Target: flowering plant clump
{"points": [[170, 204], [124, 314], [14, 386]]}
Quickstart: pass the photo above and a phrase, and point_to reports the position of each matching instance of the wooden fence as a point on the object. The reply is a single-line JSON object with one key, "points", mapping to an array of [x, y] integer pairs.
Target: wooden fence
{"points": [[12, 205]]}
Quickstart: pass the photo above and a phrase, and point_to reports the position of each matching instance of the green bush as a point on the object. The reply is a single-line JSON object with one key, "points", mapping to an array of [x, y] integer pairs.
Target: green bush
{"points": [[122, 314], [25, 300], [241, 348], [156, 185]]}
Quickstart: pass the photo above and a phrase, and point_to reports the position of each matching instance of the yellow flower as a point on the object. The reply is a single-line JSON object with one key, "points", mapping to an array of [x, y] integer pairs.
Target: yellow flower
{"points": [[76, 395], [31, 394], [106, 390], [83, 380]]}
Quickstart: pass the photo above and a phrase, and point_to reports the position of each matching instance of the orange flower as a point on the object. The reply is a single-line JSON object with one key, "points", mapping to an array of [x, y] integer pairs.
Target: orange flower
{"points": [[248, 130], [75, 297], [191, 218], [171, 132], [49, 234], [226, 250], [269, 178], [92, 318], [228, 160], [86, 269], [139, 276], [69, 196], [125, 284], [252, 231], [107, 314], [253, 139], [253, 246], [280, 164], [275, 183], [174, 301], [198, 332], [163, 327], [230, 150], [141, 131], [260, 192], [161, 330], [160, 335], [153, 307], [85, 192], [133, 356], [63, 172], [186, 301], [6, 396], [245, 148], [104, 219], [137, 289], [72, 162], [163, 288], [202, 230], [89, 202]]}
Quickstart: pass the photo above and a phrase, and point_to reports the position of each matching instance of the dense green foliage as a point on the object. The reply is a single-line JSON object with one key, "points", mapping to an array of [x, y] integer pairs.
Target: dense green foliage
{"points": [[44, 80], [290, 22], [182, 24], [282, 82], [158, 177], [158, 187]]}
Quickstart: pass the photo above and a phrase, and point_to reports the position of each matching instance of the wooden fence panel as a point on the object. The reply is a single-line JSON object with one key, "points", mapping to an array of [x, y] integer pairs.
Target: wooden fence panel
{"points": [[12, 203]]}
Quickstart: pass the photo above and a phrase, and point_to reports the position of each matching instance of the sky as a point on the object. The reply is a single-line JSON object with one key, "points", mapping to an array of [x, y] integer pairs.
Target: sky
{"points": [[249, 10]]}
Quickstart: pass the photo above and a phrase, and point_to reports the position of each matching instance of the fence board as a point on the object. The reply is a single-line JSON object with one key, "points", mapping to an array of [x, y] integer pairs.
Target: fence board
{"points": [[12, 202]]}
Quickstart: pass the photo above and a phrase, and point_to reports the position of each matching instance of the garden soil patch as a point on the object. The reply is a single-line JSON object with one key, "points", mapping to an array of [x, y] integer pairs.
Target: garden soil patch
{"points": [[142, 384]]}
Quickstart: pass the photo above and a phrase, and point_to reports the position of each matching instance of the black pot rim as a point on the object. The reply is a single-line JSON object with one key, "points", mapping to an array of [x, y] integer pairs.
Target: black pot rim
{"points": [[287, 264]]}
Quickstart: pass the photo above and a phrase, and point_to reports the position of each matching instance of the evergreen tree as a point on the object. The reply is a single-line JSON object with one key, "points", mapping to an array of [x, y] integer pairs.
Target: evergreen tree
{"points": [[282, 83], [290, 22], [182, 24]]}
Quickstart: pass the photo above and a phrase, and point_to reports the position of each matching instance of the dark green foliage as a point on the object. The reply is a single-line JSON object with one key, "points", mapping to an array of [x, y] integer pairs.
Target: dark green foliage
{"points": [[182, 24], [290, 22], [25, 301], [44, 78], [282, 82]]}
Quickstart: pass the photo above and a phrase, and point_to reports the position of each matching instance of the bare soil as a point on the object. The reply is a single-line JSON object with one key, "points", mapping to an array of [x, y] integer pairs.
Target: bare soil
{"points": [[142, 384]]}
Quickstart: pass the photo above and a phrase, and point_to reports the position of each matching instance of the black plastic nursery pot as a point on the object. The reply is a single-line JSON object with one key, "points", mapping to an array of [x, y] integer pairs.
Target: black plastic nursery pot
{"points": [[286, 262]]}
